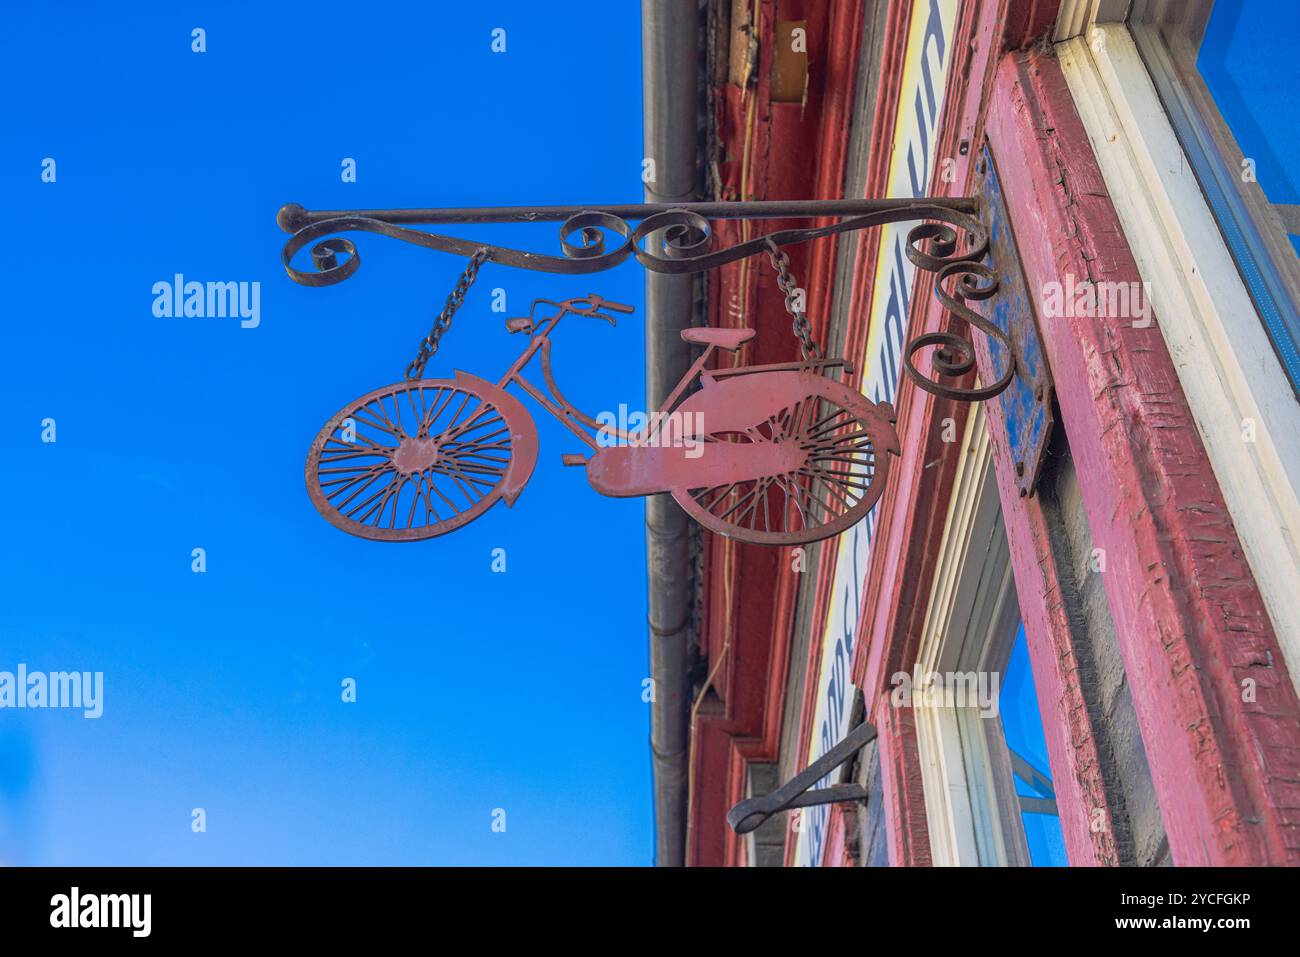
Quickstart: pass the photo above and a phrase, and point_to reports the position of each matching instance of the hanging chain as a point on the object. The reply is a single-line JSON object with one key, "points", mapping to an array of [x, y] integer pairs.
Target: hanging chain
{"points": [[801, 327], [429, 344]]}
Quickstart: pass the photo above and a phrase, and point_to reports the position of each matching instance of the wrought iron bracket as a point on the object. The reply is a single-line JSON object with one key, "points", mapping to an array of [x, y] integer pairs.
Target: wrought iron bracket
{"points": [[951, 239], [799, 791], [667, 238]]}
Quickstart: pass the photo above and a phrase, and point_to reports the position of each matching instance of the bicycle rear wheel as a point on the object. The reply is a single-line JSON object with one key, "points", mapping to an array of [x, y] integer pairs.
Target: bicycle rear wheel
{"points": [[840, 477]]}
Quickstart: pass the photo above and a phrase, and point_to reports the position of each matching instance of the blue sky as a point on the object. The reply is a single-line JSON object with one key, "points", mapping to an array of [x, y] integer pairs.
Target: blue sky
{"points": [[476, 690], [1245, 43]]}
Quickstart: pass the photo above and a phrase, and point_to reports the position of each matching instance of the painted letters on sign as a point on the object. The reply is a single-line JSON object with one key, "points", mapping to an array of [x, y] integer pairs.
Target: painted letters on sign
{"points": [[921, 92]]}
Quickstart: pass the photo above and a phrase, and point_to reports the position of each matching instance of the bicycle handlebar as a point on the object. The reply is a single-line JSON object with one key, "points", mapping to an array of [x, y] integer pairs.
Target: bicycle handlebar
{"points": [[583, 306], [593, 305], [601, 303]]}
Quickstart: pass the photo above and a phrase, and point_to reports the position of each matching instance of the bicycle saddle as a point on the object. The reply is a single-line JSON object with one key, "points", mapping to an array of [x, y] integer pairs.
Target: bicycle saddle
{"points": [[731, 339]]}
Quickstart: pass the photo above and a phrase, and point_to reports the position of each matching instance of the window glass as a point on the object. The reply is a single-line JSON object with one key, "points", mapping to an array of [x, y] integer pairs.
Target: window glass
{"points": [[1023, 727], [1229, 79], [1243, 60]]}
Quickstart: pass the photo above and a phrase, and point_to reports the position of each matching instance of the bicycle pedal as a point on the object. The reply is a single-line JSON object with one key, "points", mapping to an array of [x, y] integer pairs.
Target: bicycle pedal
{"points": [[573, 458]]}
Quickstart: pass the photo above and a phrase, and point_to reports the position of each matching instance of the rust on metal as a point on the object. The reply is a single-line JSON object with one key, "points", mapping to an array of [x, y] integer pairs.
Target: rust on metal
{"points": [[773, 454], [778, 454]]}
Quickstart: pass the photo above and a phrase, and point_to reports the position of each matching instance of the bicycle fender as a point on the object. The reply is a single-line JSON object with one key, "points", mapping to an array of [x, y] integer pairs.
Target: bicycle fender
{"points": [[735, 404], [523, 433]]}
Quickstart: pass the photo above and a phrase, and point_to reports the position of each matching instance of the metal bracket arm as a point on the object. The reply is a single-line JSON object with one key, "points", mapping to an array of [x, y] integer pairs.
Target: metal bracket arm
{"points": [[950, 240], [799, 791], [683, 246]]}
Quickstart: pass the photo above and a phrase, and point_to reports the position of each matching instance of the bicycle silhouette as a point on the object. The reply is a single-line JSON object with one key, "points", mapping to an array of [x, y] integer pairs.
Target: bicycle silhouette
{"points": [[773, 454]]}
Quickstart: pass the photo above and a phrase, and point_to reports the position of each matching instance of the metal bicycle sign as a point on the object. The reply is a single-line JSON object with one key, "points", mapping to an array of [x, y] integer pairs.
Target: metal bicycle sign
{"points": [[787, 455], [777, 454]]}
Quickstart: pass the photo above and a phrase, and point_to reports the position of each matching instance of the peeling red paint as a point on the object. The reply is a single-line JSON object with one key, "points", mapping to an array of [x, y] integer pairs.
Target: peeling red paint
{"points": [[1223, 768]]}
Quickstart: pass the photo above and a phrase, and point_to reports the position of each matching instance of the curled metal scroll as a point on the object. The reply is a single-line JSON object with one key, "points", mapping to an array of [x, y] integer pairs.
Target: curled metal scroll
{"points": [[956, 354], [686, 241], [684, 245]]}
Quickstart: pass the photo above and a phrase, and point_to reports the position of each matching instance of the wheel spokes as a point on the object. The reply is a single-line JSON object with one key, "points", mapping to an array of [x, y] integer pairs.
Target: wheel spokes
{"points": [[455, 452], [836, 475]]}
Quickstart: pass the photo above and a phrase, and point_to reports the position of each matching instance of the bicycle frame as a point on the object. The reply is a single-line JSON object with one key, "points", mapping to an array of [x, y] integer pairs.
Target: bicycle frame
{"points": [[561, 408], [574, 418], [789, 455]]}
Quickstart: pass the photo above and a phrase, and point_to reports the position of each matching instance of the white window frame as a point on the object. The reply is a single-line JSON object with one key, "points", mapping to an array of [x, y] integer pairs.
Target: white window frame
{"points": [[971, 805], [1222, 353]]}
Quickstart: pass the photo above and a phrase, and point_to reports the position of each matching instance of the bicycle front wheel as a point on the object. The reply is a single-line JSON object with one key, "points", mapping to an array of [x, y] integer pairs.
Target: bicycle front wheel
{"points": [[411, 461]]}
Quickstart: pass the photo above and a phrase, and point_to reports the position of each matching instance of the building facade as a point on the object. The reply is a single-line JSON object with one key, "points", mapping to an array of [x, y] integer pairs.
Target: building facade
{"points": [[1072, 617]]}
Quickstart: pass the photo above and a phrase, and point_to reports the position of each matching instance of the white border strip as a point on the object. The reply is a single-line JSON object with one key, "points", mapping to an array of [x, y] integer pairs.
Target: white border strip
{"points": [[1225, 363]]}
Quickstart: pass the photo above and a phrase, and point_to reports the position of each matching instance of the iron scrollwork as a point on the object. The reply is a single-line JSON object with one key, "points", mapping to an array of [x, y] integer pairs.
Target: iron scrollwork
{"points": [[683, 244]]}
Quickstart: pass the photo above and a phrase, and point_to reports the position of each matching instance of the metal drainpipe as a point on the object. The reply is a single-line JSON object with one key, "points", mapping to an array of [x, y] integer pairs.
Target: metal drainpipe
{"points": [[670, 69]]}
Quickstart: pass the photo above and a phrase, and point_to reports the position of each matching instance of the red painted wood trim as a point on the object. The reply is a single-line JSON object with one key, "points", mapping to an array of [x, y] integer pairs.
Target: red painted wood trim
{"points": [[1028, 21], [766, 746], [900, 572], [711, 795], [1189, 618], [837, 853], [735, 844], [910, 526], [1067, 725], [752, 668], [900, 586], [907, 837]]}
